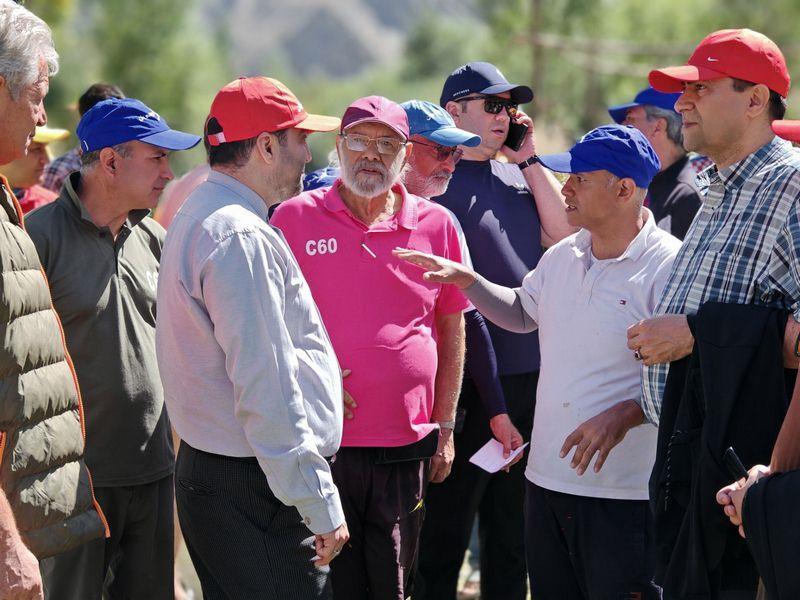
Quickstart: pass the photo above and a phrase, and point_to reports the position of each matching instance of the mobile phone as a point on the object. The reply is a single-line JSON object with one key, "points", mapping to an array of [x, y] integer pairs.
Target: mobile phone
{"points": [[516, 135]]}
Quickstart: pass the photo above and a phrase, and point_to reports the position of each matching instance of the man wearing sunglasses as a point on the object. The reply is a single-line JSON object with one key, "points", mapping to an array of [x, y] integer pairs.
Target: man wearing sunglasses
{"points": [[508, 212], [401, 339]]}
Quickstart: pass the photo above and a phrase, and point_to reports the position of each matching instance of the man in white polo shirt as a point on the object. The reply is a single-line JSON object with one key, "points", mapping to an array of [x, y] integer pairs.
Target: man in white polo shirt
{"points": [[587, 528]]}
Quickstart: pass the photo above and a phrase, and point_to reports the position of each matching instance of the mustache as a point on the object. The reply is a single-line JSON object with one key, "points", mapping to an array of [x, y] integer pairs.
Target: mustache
{"points": [[365, 163]]}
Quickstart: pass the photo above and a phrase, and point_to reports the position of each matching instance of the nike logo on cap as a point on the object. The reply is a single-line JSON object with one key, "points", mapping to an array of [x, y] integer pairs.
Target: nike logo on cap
{"points": [[709, 59]]}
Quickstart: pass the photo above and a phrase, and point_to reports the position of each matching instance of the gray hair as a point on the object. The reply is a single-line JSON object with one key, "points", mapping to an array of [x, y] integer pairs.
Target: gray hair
{"points": [[674, 121], [89, 160], [25, 40]]}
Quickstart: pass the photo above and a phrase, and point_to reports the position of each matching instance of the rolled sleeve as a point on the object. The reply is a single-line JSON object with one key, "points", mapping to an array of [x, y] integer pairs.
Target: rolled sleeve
{"points": [[243, 284]]}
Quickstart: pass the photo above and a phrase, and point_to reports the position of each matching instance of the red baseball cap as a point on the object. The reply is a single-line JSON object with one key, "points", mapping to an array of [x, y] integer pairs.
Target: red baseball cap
{"points": [[377, 109], [788, 130], [249, 106], [738, 53]]}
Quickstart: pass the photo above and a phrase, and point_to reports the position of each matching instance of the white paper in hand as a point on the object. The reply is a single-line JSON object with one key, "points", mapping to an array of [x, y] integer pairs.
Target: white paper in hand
{"points": [[490, 458]]}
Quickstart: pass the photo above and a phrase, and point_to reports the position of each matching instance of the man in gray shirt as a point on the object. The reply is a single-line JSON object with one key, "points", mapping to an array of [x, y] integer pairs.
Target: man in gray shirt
{"points": [[100, 252], [250, 378]]}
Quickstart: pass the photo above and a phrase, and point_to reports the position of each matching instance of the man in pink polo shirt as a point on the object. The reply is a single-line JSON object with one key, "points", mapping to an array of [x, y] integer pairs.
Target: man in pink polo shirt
{"points": [[401, 338]]}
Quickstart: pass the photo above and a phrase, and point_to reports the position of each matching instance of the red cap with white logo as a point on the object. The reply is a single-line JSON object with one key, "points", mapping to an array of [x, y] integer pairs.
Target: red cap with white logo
{"points": [[738, 53], [249, 106]]}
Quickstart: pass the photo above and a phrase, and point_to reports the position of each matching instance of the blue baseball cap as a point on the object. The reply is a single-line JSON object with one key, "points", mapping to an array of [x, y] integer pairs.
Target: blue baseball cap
{"points": [[481, 78], [320, 178], [119, 120], [646, 96], [618, 149], [435, 123]]}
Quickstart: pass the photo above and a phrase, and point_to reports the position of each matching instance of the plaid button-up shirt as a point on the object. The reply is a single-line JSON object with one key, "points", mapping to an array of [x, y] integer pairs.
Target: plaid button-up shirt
{"points": [[743, 246], [56, 171]]}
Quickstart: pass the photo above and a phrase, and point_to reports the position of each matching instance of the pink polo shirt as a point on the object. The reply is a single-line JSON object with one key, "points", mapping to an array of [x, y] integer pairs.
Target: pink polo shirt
{"points": [[378, 310]]}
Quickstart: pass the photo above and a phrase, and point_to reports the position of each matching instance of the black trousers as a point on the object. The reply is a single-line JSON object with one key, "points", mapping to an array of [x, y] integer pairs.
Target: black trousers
{"points": [[581, 548], [135, 563], [383, 505], [244, 543], [497, 498]]}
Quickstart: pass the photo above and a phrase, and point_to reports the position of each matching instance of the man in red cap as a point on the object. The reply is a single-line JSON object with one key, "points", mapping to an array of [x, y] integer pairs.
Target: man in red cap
{"points": [[401, 338], [251, 381], [742, 247]]}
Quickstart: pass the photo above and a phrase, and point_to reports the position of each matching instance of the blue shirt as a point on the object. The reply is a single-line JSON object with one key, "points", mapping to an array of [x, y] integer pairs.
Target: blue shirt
{"points": [[500, 221]]}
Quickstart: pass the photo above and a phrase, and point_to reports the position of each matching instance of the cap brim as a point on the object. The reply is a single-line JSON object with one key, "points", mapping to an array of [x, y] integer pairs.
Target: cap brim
{"points": [[618, 113], [452, 136], [50, 135], [172, 140], [319, 123], [521, 94], [671, 79], [565, 162], [787, 129]]}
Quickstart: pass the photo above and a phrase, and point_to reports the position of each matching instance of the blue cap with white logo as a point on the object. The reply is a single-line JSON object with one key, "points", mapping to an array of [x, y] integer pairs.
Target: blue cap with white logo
{"points": [[646, 96], [618, 149], [435, 123], [482, 78], [119, 120]]}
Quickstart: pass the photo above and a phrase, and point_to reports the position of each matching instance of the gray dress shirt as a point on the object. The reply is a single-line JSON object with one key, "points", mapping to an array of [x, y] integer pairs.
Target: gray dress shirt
{"points": [[247, 365]]}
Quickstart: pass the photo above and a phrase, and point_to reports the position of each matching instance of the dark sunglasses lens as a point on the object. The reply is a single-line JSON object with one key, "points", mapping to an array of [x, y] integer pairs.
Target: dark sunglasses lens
{"points": [[493, 106]]}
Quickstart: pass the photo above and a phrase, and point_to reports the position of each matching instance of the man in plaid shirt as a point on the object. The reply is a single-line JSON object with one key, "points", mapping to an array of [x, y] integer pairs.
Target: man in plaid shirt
{"points": [[56, 171], [743, 246]]}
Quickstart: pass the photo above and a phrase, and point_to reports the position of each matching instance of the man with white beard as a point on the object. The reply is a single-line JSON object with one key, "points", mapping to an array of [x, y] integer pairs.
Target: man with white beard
{"points": [[403, 379]]}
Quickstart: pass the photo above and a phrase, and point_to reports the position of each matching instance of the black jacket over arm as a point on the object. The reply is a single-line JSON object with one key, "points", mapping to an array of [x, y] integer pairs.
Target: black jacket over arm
{"points": [[732, 391]]}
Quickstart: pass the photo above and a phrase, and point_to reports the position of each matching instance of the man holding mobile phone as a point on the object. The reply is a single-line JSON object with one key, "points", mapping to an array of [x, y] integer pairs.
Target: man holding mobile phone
{"points": [[508, 211]]}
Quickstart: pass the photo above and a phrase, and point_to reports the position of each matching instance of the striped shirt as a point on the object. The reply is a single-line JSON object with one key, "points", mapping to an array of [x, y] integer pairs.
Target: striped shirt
{"points": [[743, 247]]}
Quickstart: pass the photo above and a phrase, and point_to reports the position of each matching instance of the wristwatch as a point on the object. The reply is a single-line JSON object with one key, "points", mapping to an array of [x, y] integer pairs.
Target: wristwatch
{"points": [[447, 425], [528, 162]]}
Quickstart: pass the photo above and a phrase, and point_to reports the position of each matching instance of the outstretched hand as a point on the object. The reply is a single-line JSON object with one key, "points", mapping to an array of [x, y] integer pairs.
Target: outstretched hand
{"points": [[438, 269]]}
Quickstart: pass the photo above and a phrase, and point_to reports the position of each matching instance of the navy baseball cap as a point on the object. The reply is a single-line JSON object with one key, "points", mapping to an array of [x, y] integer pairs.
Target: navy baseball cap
{"points": [[119, 120], [435, 123], [618, 149], [646, 96], [482, 78]]}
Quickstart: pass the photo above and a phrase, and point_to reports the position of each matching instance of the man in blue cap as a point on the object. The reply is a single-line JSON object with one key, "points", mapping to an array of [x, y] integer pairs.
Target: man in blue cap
{"points": [[101, 252], [673, 196], [587, 530], [436, 141], [508, 211]]}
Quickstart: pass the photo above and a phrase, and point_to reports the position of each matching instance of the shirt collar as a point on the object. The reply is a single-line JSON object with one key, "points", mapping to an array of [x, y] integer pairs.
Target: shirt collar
{"points": [[734, 176], [245, 193], [583, 240], [70, 195], [407, 217]]}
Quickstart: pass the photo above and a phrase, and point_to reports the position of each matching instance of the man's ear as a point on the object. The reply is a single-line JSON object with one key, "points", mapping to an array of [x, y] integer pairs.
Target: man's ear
{"points": [[627, 189], [759, 100], [265, 146], [454, 109], [108, 161]]}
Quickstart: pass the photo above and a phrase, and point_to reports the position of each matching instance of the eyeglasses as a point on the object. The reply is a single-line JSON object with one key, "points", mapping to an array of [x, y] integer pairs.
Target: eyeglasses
{"points": [[494, 105], [443, 153], [359, 143]]}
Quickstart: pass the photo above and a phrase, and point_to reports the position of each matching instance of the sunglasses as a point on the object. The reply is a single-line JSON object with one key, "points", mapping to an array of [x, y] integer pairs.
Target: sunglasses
{"points": [[443, 153], [359, 143], [494, 105]]}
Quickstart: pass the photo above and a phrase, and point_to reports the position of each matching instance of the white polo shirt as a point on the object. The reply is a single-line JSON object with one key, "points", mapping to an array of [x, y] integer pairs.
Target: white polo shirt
{"points": [[584, 307]]}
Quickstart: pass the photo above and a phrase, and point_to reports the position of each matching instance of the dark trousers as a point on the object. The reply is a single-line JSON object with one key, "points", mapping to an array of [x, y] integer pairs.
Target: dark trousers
{"points": [[383, 507], [497, 499], [581, 548], [243, 542], [135, 563]]}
